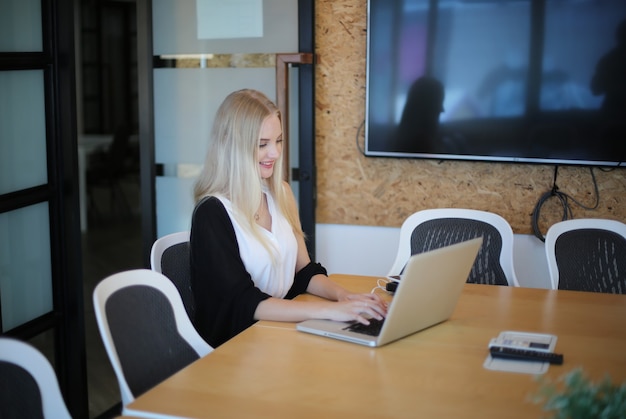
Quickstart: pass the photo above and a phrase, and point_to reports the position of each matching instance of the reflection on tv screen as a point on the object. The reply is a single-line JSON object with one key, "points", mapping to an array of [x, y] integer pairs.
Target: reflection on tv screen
{"points": [[525, 81]]}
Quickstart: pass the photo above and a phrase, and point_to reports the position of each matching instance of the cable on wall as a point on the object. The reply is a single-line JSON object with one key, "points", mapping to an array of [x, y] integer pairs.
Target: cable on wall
{"points": [[564, 200], [358, 134]]}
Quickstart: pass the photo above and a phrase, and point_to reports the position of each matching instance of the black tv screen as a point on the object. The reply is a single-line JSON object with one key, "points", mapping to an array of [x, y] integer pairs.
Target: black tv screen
{"points": [[502, 80]]}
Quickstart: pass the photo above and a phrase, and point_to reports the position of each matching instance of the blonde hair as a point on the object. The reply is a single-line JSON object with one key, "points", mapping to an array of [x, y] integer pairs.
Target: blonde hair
{"points": [[231, 169]]}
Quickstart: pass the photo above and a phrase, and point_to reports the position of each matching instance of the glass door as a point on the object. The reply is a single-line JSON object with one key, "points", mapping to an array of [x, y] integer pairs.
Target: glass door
{"points": [[40, 275], [203, 50]]}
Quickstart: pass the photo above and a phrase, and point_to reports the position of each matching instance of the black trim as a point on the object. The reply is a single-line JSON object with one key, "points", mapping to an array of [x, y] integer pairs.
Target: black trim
{"points": [[158, 62], [65, 232], [307, 176], [147, 172], [24, 197], [11, 61], [34, 327]]}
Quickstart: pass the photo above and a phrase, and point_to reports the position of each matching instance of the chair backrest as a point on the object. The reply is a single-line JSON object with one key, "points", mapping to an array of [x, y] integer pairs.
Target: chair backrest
{"points": [[170, 256], [434, 228], [587, 254], [145, 329], [28, 383]]}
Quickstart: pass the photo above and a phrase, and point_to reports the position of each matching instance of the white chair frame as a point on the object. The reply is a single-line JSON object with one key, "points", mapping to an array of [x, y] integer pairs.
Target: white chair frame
{"points": [[162, 244], [37, 365], [561, 227], [155, 280], [406, 230]]}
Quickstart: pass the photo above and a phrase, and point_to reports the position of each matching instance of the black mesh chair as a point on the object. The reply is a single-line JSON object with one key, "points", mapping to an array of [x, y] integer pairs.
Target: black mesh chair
{"points": [[145, 329], [28, 383], [587, 255], [170, 256], [434, 228]]}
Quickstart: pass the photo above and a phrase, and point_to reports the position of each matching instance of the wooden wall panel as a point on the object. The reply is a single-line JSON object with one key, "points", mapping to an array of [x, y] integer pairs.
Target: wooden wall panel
{"points": [[354, 189]]}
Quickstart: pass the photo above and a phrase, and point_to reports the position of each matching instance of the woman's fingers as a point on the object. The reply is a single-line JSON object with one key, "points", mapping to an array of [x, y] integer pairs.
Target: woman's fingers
{"points": [[364, 310]]}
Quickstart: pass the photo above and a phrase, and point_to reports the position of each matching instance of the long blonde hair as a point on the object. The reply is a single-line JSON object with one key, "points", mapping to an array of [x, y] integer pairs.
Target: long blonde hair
{"points": [[231, 169]]}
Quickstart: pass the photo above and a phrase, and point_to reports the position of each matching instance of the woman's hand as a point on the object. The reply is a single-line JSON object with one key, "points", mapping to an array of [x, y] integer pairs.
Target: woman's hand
{"points": [[358, 307]]}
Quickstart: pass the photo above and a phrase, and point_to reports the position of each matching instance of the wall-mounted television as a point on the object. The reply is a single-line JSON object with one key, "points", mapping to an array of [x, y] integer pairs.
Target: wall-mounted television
{"points": [[537, 81]]}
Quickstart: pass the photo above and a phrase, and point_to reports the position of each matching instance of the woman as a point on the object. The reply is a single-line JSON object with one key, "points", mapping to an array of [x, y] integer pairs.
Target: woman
{"points": [[248, 255]]}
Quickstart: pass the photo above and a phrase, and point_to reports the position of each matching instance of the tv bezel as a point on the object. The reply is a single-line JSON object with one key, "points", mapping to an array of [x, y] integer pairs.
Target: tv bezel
{"points": [[452, 156]]}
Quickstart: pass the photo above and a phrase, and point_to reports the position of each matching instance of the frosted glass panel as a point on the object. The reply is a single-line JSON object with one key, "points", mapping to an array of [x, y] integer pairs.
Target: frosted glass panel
{"points": [[185, 102], [174, 204], [22, 130], [186, 99], [20, 26], [25, 278], [176, 30]]}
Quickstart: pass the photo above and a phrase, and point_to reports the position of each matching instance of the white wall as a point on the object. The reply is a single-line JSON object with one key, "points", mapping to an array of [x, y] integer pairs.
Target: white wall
{"points": [[366, 250], [359, 250]]}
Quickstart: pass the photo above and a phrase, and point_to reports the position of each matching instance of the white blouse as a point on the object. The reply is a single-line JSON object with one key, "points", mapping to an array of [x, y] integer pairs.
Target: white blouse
{"points": [[275, 280]]}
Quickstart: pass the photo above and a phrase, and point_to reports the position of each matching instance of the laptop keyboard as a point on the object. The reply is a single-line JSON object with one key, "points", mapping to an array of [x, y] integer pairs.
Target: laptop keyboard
{"points": [[372, 329]]}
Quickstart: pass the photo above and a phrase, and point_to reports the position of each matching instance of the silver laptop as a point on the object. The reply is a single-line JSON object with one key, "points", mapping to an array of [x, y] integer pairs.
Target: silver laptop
{"points": [[426, 295]]}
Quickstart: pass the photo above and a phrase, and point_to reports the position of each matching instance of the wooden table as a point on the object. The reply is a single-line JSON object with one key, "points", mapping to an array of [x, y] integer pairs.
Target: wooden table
{"points": [[271, 370]]}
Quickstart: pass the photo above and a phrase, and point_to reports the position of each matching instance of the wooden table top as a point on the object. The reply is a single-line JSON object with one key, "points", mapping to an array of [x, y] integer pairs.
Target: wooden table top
{"points": [[272, 370]]}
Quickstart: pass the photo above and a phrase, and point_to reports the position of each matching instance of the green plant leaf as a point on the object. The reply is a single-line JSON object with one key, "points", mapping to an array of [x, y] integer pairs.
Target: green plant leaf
{"points": [[575, 396]]}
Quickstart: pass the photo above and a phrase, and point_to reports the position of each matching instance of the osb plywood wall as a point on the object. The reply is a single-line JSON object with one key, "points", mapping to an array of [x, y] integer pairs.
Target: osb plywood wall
{"points": [[354, 189]]}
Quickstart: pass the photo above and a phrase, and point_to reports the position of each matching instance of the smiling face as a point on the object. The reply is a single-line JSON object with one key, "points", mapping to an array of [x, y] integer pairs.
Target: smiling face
{"points": [[270, 145]]}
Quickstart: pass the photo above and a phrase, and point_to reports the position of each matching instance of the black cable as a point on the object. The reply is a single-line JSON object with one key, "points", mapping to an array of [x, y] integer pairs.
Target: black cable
{"points": [[611, 168], [358, 134], [564, 199]]}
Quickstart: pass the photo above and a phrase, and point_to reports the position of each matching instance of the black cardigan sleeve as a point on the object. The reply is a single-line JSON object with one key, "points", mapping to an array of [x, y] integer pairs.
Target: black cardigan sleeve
{"points": [[225, 295], [303, 277]]}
